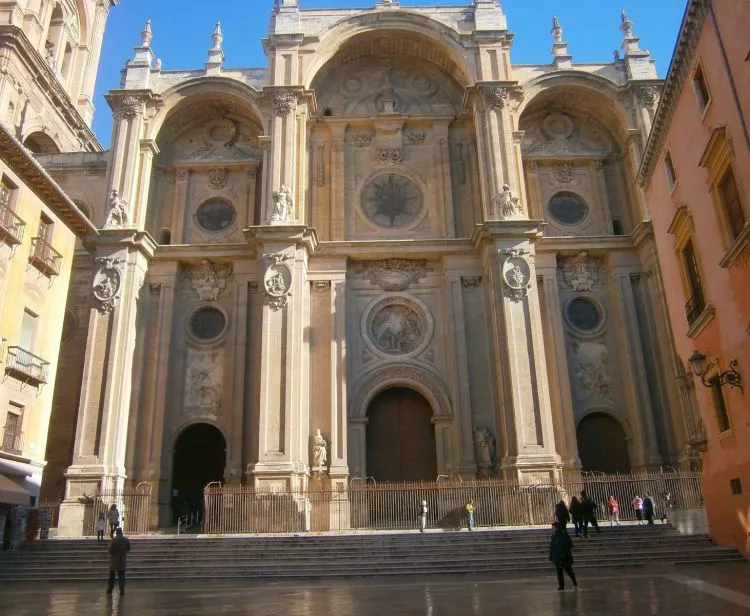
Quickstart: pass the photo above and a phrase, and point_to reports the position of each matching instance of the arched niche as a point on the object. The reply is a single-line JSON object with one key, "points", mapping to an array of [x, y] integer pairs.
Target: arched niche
{"points": [[209, 150], [41, 143], [574, 140]]}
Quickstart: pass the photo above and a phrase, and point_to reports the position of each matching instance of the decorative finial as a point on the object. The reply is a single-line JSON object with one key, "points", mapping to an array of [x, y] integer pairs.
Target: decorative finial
{"points": [[626, 25], [146, 34], [560, 53], [217, 37]]}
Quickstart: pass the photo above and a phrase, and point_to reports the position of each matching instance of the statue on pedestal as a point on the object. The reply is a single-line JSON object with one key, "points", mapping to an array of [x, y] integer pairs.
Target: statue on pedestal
{"points": [[320, 451]]}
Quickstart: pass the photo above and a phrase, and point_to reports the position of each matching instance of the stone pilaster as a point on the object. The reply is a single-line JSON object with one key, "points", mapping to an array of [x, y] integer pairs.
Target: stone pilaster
{"points": [[524, 410], [284, 405], [561, 397], [90, 62], [121, 263], [644, 453]]}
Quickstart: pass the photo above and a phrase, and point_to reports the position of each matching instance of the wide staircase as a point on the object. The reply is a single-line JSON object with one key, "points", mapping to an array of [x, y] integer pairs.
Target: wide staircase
{"points": [[502, 552]]}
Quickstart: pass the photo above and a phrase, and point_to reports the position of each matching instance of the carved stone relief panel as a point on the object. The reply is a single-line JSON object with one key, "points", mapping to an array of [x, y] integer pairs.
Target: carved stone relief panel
{"points": [[203, 382], [394, 274], [397, 326], [277, 280], [591, 370], [516, 273], [564, 133], [107, 283], [209, 280], [581, 272]]}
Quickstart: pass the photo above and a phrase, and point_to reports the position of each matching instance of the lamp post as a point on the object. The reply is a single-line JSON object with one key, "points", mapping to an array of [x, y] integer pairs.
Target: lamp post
{"points": [[730, 377]]}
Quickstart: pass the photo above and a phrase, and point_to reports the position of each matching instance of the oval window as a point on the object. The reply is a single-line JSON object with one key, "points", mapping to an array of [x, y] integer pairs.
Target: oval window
{"points": [[583, 314], [567, 208], [207, 323], [215, 215]]}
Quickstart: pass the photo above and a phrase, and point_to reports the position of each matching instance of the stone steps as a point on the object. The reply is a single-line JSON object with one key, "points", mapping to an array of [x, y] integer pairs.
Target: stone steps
{"points": [[356, 555]]}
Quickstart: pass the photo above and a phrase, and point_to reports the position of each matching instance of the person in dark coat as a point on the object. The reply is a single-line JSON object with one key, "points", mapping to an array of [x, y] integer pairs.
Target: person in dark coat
{"points": [[648, 509], [562, 515], [576, 515], [561, 555], [118, 560], [588, 510]]}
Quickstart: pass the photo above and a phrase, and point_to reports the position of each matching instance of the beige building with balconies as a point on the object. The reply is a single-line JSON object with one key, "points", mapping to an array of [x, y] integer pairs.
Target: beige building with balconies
{"points": [[391, 234]]}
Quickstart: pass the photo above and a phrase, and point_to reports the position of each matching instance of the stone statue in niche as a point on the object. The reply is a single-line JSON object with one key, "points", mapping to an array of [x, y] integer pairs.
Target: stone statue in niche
{"points": [[283, 206], [117, 216], [319, 450], [581, 272], [591, 369], [484, 448]]}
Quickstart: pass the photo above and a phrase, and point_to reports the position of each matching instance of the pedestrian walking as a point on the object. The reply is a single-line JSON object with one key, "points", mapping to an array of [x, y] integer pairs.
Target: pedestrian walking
{"points": [[101, 526], [562, 515], [114, 519], [588, 509], [576, 515], [637, 503], [470, 514], [118, 561], [422, 515], [561, 555], [669, 503], [613, 511], [649, 509]]}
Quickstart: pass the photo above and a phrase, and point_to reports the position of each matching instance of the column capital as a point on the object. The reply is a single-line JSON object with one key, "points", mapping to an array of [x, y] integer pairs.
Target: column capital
{"points": [[298, 235]]}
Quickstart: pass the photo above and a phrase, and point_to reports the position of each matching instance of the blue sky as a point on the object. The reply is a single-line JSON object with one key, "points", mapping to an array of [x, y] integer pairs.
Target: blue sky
{"points": [[182, 32]]}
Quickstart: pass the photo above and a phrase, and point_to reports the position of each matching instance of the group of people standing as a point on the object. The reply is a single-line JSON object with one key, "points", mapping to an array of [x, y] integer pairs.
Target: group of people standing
{"points": [[581, 513]]}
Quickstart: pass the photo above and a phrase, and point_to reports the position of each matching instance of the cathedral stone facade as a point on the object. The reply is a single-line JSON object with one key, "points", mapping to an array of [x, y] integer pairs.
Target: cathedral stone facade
{"points": [[391, 234]]}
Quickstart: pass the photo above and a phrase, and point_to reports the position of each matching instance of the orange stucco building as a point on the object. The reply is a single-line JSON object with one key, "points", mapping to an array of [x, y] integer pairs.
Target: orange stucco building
{"points": [[696, 173]]}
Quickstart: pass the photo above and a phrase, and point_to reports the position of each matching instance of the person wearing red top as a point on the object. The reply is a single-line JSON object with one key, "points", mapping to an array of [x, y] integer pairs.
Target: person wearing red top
{"points": [[613, 510]]}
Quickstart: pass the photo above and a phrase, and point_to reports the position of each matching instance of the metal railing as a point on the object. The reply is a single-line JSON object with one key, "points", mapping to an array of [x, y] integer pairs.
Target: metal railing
{"points": [[694, 308], [11, 225], [12, 441], [240, 509], [26, 366], [45, 258]]}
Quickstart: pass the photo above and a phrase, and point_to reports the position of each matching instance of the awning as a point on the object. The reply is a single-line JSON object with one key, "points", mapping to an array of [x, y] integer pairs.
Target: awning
{"points": [[13, 494]]}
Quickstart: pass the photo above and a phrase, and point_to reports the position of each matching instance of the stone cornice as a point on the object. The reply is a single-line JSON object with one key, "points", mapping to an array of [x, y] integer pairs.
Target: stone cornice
{"points": [[687, 40], [46, 82], [33, 175]]}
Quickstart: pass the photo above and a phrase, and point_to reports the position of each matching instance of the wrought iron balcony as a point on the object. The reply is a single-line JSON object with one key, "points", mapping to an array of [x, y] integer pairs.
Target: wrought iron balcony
{"points": [[45, 258], [694, 308], [11, 226], [26, 366], [12, 441]]}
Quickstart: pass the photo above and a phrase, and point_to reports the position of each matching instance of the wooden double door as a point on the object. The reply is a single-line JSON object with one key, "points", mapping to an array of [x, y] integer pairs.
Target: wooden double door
{"points": [[401, 437]]}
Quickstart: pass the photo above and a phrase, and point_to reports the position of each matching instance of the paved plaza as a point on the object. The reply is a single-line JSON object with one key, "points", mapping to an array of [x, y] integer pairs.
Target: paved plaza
{"points": [[717, 590]]}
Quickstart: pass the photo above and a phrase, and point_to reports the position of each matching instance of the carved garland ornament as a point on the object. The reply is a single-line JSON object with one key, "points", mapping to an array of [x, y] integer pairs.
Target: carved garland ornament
{"points": [[277, 280], [395, 274], [516, 273], [107, 283], [390, 157]]}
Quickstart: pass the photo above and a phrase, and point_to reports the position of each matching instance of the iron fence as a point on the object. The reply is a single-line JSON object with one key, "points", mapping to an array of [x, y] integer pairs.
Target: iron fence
{"points": [[240, 509]]}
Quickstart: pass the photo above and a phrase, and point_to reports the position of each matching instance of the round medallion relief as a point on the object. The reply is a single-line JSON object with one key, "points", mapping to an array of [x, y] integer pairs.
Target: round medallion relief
{"points": [[584, 314], [207, 323], [391, 200], [397, 326], [215, 215], [567, 208], [516, 273]]}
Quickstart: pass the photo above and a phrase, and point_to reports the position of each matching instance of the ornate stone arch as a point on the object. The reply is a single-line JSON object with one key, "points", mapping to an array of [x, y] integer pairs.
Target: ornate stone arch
{"points": [[208, 89], [185, 423], [618, 416], [444, 40], [409, 375]]}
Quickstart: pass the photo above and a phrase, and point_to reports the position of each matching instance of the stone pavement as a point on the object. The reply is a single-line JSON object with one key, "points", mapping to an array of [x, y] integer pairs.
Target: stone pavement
{"points": [[716, 590]]}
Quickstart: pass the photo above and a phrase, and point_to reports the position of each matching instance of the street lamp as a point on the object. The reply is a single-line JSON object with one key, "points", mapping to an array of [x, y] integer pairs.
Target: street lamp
{"points": [[731, 377]]}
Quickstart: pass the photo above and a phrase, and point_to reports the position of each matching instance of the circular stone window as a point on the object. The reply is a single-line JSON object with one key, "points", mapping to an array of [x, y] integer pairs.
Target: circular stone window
{"points": [[567, 208], [584, 315], [391, 200], [207, 323], [215, 215]]}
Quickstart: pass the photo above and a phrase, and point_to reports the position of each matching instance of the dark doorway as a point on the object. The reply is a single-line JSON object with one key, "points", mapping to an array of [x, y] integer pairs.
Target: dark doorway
{"points": [[602, 444], [199, 459], [401, 437]]}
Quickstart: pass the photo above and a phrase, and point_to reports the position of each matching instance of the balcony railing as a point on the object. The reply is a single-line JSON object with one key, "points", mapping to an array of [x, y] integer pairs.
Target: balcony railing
{"points": [[26, 366], [45, 258], [12, 441], [11, 226], [694, 308]]}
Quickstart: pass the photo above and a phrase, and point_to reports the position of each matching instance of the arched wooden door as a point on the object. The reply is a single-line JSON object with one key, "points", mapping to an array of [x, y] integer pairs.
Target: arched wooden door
{"points": [[602, 444], [401, 437]]}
